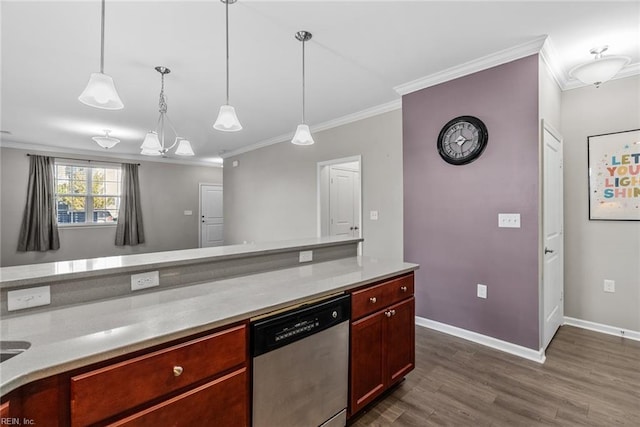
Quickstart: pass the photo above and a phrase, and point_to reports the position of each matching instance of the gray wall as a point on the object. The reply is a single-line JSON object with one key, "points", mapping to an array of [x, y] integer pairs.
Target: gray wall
{"points": [[598, 250], [272, 194], [451, 212], [167, 190]]}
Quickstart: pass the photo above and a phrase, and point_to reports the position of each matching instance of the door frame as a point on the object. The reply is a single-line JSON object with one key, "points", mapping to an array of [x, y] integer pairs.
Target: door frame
{"points": [[320, 165], [545, 126], [200, 185]]}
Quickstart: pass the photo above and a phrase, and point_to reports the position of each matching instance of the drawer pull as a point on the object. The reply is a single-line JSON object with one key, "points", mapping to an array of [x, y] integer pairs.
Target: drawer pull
{"points": [[393, 312], [387, 313], [403, 288], [373, 300], [177, 370]]}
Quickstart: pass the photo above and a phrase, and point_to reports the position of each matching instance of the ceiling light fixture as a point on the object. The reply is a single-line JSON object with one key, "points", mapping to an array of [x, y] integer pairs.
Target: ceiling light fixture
{"points": [[101, 91], [303, 134], [601, 69], [227, 120], [106, 141], [153, 144]]}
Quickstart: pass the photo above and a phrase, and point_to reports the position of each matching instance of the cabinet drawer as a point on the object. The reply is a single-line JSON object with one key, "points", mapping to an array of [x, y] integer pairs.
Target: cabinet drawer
{"points": [[106, 392], [376, 297], [223, 402]]}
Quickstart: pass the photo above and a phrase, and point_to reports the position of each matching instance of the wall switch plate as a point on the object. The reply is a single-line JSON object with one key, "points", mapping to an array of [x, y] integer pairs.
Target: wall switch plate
{"points": [[145, 280], [27, 298], [373, 215], [235, 163], [609, 285], [306, 256], [482, 291], [188, 212], [509, 220]]}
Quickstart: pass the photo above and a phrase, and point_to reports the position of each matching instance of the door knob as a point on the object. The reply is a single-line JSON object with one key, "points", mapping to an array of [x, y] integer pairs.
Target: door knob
{"points": [[356, 228], [548, 251]]}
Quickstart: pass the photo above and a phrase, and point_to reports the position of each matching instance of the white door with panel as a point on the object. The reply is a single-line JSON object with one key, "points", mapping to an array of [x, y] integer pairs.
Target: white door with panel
{"points": [[344, 196], [552, 229], [211, 219]]}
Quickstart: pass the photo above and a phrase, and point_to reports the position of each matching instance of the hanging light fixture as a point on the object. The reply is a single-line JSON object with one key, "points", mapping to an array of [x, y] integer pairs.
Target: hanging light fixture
{"points": [[100, 91], [106, 141], [601, 69], [303, 134], [153, 144], [227, 120]]}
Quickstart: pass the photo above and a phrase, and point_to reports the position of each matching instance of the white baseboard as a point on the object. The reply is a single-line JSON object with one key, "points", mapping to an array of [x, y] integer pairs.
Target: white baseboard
{"points": [[605, 329], [517, 350]]}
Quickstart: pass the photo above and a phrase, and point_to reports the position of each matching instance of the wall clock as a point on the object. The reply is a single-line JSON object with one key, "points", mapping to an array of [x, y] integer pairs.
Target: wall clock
{"points": [[462, 140]]}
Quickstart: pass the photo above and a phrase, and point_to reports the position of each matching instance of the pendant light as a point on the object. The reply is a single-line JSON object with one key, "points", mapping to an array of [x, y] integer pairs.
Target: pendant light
{"points": [[601, 69], [101, 91], [303, 134], [153, 144], [227, 120], [106, 141]]}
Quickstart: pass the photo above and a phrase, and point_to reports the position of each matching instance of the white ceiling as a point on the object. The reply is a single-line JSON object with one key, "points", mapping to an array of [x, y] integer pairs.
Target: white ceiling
{"points": [[360, 51]]}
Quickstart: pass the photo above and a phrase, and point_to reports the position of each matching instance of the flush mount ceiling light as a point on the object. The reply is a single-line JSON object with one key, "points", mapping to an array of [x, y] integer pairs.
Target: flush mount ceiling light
{"points": [[101, 91], [601, 69], [303, 134], [106, 141], [227, 120], [153, 144]]}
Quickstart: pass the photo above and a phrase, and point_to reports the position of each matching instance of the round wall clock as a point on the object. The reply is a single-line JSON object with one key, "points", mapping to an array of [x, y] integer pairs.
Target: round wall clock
{"points": [[462, 140]]}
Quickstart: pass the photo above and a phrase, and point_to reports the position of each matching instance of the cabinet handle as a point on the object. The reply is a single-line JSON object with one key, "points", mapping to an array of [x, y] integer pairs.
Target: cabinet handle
{"points": [[393, 312], [403, 288], [373, 300], [387, 313], [177, 370]]}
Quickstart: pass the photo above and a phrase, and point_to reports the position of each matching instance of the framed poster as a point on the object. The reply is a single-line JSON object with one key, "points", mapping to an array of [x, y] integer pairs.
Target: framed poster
{"points": [[614, 176]]}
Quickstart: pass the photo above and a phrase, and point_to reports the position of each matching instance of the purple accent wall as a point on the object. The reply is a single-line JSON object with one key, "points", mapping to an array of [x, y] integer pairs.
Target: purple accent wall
{"points": [[451, 212]]}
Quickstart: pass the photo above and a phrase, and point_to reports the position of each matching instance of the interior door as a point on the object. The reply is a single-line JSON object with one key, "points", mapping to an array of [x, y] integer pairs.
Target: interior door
{"points": [[343, 199], [553, 251], [211, 219]]}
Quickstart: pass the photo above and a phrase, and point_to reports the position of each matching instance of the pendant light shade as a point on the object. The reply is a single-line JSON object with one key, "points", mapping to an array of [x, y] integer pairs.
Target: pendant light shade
{"points": [[601, 69], [106, 141], [303, 133], [151, 142], [227, 120], [184, 148], [101, 91]]}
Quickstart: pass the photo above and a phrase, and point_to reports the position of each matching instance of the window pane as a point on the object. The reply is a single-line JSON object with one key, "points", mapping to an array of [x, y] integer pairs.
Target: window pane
{"points": [[63, 186], [105, 209], [71, 209]]}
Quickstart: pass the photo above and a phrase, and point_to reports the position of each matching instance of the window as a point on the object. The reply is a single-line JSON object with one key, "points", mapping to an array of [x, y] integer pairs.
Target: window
{"points": [[87, 194]]}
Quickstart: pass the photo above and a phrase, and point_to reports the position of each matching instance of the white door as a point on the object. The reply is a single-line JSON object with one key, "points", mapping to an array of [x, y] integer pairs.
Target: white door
{"points": [[211, 220], [553, 256], [343, 202]]}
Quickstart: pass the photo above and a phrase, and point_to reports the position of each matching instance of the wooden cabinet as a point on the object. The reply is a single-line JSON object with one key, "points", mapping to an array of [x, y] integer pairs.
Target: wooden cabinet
{"points": [[382, 339]]}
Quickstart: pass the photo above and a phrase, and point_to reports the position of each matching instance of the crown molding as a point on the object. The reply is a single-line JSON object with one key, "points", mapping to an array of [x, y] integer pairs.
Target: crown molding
{"points": [[340, 121], [96, 155], [551, 60], [494, 59]]}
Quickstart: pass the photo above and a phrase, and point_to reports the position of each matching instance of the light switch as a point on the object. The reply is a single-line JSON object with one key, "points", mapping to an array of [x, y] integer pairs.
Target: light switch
{"points": [[373, 215], [482, 291], [509, 220], [188, 212], [235, 163]]}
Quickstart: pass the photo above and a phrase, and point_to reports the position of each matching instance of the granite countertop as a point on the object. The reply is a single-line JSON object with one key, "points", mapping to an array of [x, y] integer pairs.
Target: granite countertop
{"points": [[74, 336]]}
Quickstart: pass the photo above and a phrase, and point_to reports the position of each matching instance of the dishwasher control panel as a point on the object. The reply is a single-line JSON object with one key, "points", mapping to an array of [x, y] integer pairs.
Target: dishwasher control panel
{"points": [[274, 332]]}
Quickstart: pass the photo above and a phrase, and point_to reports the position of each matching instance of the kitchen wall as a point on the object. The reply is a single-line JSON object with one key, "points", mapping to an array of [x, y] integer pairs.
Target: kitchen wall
{"points": [[451, 212], [167, 190], [272, 194], [598, 250]]}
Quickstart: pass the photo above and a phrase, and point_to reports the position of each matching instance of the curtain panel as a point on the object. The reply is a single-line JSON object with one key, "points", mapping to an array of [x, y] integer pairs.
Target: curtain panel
{"points": [[130, 230], [39, 229]]}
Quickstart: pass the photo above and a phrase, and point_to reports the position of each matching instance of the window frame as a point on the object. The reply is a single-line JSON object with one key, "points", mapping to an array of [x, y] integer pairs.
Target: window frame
{"points": [[89, 196]]}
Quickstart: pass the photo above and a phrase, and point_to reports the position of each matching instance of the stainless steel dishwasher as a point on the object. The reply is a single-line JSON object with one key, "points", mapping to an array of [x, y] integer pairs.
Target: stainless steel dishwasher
{"points": [[301, 365]]}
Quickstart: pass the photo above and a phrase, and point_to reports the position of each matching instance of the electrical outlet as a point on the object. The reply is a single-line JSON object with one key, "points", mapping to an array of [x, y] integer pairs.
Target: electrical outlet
{"points": [[145, 280], [306, 256], [373, 215], [27, 298], [509, 220], [482, 291], [609, 285]]}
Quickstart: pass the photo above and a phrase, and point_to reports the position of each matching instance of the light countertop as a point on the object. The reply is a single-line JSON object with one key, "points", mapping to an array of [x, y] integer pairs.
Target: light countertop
{"points": [[74, 336]]}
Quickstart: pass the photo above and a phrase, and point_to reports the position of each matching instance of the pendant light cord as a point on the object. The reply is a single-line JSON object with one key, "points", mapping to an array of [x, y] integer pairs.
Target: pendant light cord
{"points": [[303, 85], [102, 40], [227, 37]]}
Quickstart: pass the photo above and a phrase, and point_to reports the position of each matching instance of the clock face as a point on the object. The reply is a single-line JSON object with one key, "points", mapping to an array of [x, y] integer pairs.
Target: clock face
{"points": [[462, 140]]}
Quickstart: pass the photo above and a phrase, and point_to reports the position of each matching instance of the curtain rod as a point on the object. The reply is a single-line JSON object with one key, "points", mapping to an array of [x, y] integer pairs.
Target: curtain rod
{"points": [[85, 160]]}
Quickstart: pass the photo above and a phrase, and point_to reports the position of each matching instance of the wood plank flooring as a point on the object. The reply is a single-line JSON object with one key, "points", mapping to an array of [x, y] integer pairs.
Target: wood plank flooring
{"points": [[588, 379]]}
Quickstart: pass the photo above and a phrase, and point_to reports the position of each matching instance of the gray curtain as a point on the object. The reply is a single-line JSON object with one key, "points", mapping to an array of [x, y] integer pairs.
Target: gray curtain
{"points": [[130, 230], [39, 229]]}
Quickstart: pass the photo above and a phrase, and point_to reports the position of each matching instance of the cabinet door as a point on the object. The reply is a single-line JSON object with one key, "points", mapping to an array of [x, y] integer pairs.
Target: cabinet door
{"points": [[367, 360], [223, 402], [400, 340]]}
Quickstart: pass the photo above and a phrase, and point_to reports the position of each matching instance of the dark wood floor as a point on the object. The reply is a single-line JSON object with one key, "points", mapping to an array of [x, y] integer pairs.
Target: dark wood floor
{"points": [[588, 379]]}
